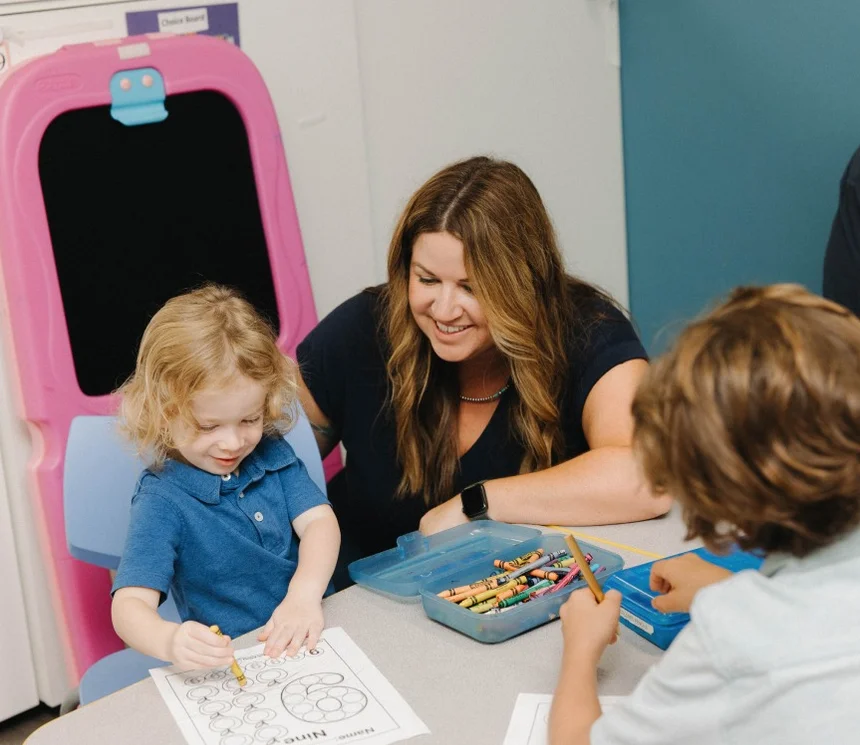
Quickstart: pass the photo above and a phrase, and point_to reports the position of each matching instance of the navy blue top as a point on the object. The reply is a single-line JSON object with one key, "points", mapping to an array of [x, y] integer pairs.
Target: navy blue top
{"points": [[842, 257], [343, 364], [223, 545]]}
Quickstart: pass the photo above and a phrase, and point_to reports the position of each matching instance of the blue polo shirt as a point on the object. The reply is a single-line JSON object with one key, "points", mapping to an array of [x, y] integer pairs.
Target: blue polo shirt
{"points": [[223, 545]]}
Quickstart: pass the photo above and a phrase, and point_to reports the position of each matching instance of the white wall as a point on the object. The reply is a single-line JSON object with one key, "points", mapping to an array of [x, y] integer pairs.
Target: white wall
{"points": [[529, 82]]}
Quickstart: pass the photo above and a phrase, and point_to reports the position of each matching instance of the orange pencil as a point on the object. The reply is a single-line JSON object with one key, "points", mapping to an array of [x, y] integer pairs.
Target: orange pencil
{"points": [[587, 574]]}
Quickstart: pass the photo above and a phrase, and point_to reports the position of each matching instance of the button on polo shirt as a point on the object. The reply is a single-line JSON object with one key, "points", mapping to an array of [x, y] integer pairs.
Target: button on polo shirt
{"points": [[223, 546]]}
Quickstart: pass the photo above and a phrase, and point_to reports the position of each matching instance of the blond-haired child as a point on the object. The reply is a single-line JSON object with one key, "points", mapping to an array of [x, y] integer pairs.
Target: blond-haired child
{"points": [[752, 421], [226, 517]]}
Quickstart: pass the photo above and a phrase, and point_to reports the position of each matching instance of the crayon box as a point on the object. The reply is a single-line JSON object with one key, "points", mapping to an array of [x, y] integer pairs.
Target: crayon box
{"points": [[637, 612], [420, 567]]}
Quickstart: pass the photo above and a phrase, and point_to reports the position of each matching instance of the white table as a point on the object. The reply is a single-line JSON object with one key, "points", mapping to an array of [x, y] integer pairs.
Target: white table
{"points": [[441, 673]]}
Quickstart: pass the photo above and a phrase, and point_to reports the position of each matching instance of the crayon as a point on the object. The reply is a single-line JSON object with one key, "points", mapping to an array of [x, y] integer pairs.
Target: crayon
{"points": [[234, 666], [559, 568], [448, 594], [522, 596], [481, 597], [479, 588], [494, 602], [563, 582], [510, 566], [535, 564], [520, 560]]}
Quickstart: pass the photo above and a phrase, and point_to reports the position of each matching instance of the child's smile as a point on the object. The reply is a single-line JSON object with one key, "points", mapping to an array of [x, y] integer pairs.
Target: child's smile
{"points": [[229, 426]]}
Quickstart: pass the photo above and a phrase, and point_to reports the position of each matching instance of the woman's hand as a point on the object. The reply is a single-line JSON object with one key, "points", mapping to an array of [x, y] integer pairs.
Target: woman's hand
{"points": [[443, 516], [194, 646], [298, 619], [680, 578], [588, 626]]}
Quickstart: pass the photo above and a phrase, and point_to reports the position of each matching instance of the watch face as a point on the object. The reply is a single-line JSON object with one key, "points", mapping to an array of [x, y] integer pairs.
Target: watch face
{"points": [[474, 500]]}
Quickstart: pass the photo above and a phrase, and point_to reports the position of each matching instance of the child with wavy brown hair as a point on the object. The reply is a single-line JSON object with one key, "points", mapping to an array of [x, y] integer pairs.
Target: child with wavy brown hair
{"points": [[752, 422], [226, 517]]}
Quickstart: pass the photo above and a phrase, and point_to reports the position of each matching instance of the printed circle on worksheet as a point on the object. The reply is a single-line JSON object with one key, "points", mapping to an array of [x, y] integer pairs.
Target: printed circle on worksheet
{"points": [[246, 698], [231, 685], [315, 652], [257, 716], [255, 665], [217, 675], [318, 698], [270, 732], [201, 692], [329, 704], [270, 677], [214, 707], [234, 738], [222, 724]]}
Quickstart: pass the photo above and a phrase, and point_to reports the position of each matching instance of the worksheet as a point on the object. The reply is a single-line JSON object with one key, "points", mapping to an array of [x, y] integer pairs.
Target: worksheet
{"points": [[530, 718], [333, 693]]}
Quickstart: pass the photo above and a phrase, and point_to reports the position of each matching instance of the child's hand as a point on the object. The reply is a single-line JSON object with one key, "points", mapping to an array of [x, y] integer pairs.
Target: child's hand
{"points": [[589, 626], [194, 646], [680, 578], [297, 619]]}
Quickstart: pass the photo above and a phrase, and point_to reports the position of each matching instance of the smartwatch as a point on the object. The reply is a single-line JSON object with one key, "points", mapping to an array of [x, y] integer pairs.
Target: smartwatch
{"points": [[474, 500]]}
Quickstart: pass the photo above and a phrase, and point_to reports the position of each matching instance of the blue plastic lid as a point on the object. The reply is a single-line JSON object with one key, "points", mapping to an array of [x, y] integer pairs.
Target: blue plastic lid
{"points": [[634, 584], [418, 559]]}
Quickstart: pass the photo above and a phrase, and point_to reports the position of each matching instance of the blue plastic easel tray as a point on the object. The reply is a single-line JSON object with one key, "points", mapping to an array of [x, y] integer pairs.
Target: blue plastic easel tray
{"points": [[421, 566], [639, 615]]}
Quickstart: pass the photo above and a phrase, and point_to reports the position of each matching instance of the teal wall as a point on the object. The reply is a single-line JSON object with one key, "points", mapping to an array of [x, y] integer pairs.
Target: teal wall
{"points": [[739, 118]]}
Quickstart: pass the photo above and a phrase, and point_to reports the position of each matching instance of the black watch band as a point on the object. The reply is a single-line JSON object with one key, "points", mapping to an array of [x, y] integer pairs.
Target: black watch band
{"points": [[474, 500]]}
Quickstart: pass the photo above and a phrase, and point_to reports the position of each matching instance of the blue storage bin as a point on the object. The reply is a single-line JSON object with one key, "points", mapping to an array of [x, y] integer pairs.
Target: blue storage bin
{"points": [[637, 612], [422, 566]]}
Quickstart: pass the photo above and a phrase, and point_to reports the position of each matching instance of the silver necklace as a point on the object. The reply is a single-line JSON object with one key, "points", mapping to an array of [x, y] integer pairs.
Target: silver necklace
{"points": [[485, 399]]}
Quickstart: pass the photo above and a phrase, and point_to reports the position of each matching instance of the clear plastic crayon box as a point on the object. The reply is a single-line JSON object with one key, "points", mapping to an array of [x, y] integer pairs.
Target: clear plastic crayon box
{"points": [[420, 566], [637, 612]]}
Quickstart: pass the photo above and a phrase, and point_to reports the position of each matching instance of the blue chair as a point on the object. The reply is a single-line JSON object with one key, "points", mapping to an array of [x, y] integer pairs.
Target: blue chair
{"points": [[100, 474]]}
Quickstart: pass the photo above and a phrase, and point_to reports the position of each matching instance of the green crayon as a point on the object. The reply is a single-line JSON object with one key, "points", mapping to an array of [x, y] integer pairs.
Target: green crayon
{"points": [[524, 595]]}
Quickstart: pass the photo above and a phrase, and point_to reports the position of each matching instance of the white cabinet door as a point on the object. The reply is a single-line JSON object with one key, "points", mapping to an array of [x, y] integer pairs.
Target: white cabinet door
{"points": [[18, 687]]}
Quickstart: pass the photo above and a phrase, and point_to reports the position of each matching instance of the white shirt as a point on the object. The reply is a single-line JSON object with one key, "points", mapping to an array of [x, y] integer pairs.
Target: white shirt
{"points": [[768, 658]]}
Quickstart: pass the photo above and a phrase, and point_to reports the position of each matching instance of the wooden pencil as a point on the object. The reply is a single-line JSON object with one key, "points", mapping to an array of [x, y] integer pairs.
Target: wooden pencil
{"points": [[587, 574]]}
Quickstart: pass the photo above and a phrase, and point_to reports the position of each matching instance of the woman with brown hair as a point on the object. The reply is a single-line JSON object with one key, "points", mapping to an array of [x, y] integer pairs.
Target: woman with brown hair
{"points": [[481, 380]]}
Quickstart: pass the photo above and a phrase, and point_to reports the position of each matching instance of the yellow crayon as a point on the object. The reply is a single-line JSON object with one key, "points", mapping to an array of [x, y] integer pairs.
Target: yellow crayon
{"points": [[493, 602], [234, 666], [484, 607], [480, 598], [454, 591]]}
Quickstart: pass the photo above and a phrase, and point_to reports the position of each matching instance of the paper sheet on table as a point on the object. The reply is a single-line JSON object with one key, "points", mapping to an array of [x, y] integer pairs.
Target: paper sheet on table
{"points": [[531, 716], [331, 694]]}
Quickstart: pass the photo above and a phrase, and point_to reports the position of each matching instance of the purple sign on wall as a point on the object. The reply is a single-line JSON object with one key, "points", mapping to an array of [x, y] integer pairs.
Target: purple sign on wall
{"points": [[211, 20]]}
